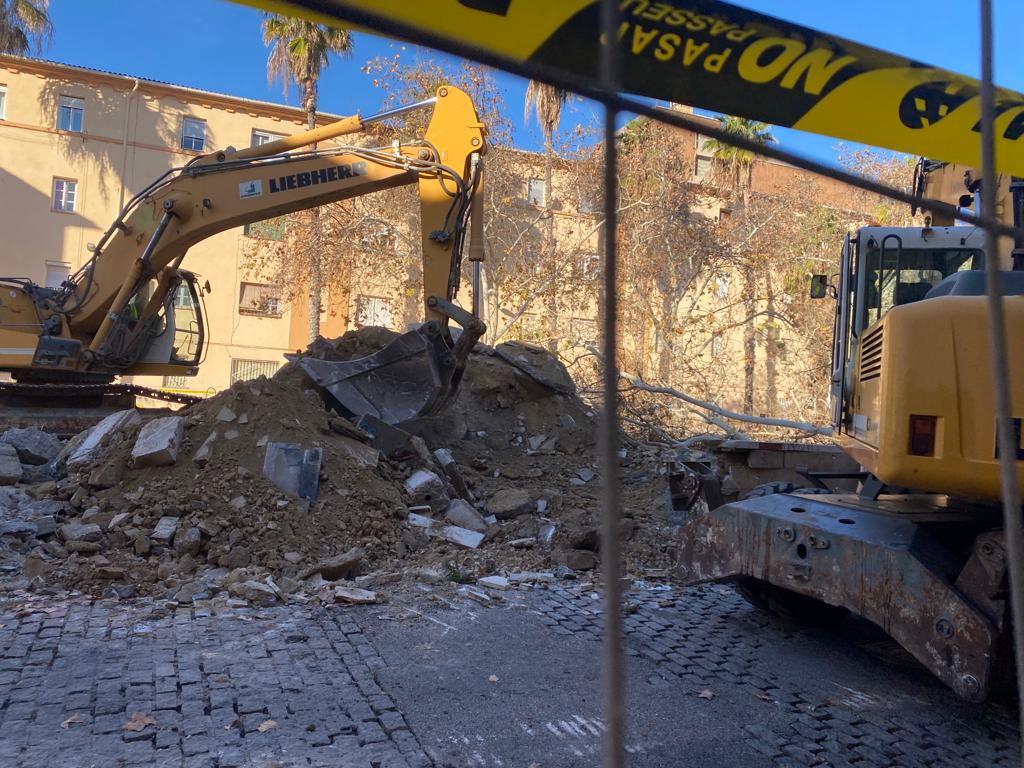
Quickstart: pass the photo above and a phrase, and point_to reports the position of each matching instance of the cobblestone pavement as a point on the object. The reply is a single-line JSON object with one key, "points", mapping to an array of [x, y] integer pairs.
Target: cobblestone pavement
{"points": [[710, 678], [430, 679], [845, 697], [224, 688]]}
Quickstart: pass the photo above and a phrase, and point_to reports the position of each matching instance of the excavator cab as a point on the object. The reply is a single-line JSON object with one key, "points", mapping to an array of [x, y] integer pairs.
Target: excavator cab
{"points": [[168, 321]]}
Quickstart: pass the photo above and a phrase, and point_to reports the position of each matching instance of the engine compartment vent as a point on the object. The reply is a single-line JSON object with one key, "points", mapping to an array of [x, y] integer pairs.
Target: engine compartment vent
{"points": [[871, 354]]}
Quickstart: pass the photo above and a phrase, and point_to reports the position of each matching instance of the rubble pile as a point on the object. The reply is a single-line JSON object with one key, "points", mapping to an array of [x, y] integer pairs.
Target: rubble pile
{"points": [[261, 492]]}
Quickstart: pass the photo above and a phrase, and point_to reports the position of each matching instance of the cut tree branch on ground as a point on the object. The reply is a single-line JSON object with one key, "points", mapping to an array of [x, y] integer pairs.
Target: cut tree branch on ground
{"points": [[801, 426], [712, 410]]}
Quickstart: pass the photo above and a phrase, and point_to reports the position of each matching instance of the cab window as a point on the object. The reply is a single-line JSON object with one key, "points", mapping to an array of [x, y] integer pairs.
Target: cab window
{"points": [[895, 275]]}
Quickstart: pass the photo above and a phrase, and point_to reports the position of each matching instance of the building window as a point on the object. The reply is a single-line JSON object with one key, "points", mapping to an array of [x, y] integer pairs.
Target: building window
{"points": [[701, 166], [64, 193], [56, 273], [721, 286], [268, 229], [70, 114], [583, 331], [716, 345], [535, 192], [374, 310], [3, 102], [243, 370], [259, 299], [175, 382], [259, 138], [193, 134]]}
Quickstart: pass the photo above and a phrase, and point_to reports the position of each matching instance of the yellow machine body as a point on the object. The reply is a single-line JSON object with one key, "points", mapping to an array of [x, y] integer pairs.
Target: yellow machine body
{"points": [[932, 359]]}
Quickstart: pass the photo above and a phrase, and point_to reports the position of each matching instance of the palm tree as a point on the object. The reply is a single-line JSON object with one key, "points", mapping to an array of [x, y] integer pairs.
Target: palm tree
{"points": [[24, 26], [740, 163], [299, 52], [547, 102]]}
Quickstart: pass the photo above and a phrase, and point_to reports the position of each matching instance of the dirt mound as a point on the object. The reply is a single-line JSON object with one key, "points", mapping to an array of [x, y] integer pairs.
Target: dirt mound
{"points": [[524, 457]]}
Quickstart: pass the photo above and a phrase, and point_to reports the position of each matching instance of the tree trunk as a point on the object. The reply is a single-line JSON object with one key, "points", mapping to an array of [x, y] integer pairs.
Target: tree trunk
{"points": [[771, 352], [316, 280], [749, 336], [749, 293], [549, 239]]}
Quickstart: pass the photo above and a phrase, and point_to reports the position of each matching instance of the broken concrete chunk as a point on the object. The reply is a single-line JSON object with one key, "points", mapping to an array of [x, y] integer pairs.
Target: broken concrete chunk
{"points": [[527, 542], [499, 583], [477, 595], [293, 468], [464, 515], [231, 434], [32, 445], [536, 442], [343, 566], [354, 595], [10, 467], [585, 474], [225, 414], [453, 473], [89, 448], [255, 592], [188, 542], [118, 520], [81, 532], [425, 487], [510, 502], [452, 533], [205, 451], [158, 442], [579, 559], [164, 530]]}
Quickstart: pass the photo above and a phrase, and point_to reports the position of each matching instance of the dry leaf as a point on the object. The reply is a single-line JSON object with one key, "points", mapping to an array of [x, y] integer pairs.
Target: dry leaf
{"points": [[706, 694], [233, 724], [138, 722], [75, 718], [763, 696], [266, 725], [492, 679]]}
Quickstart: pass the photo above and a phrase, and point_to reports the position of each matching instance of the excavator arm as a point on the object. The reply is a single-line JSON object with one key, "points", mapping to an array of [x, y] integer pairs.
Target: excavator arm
{"points": [[102, 321]]}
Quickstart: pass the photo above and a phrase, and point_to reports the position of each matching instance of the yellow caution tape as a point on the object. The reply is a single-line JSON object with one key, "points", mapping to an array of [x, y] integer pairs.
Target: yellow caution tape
{"points": [[717, 56]]}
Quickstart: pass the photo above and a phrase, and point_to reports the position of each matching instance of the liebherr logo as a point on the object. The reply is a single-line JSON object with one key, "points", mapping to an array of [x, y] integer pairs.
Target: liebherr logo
{"points": [[320, 176], [252, 188]]}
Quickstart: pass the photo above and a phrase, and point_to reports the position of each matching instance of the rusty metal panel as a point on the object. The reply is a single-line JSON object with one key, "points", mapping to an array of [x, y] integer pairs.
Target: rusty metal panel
{"points": [[889, 569]]}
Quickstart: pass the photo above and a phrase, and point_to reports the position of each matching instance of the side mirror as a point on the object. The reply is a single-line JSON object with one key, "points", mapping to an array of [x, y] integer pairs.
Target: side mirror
{"points": [[966, 201], [819, 286], [207, 288]]}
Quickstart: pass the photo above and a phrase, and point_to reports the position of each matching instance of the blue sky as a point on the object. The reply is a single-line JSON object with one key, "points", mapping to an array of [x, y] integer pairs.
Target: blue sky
{"points": [[216, 45]]}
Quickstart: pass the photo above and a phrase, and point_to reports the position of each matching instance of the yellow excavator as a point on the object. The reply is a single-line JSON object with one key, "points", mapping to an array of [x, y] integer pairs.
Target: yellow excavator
{"points": [[133, 310], [920, 549]]}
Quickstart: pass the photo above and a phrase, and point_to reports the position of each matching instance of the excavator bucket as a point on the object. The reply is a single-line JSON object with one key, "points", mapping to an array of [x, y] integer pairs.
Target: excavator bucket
{"points": [[415, 375]]}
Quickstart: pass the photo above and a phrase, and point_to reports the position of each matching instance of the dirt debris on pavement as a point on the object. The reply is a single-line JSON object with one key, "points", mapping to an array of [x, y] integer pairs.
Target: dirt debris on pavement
{"points": [[504, 481]]}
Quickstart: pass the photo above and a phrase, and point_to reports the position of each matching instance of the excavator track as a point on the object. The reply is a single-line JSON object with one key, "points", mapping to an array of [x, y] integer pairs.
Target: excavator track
{"points": [[14, 389], [66, 408]]}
